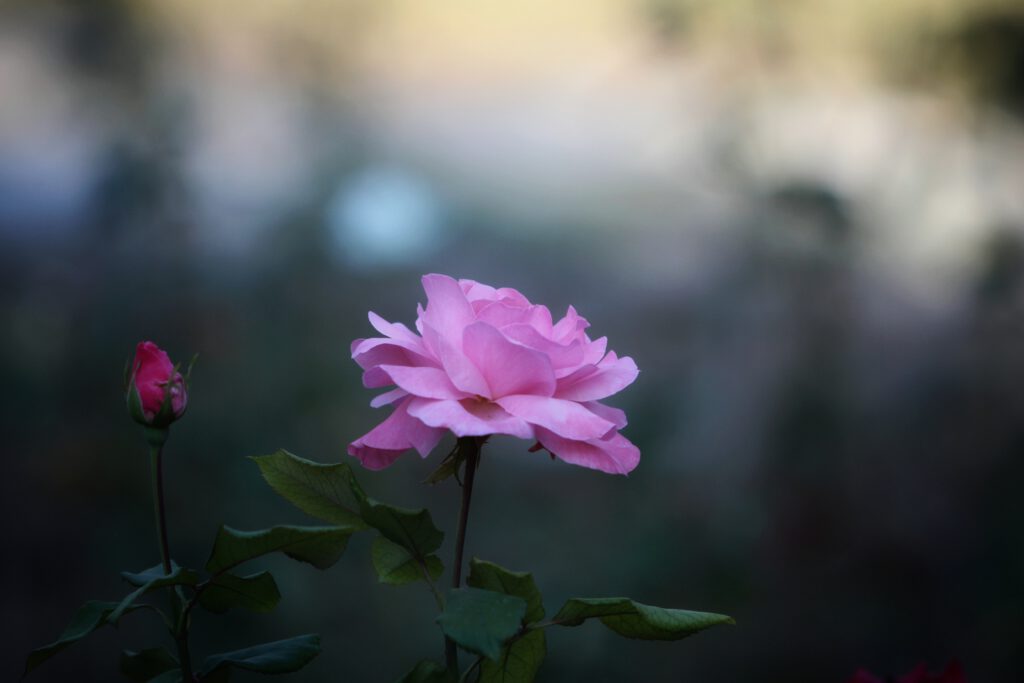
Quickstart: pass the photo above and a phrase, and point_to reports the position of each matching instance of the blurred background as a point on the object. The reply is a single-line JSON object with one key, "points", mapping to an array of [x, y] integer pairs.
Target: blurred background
{"points": [[804, 220]]}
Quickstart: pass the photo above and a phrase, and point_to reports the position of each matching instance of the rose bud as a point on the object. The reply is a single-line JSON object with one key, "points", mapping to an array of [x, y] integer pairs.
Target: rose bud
{"points": [[156, 393]]}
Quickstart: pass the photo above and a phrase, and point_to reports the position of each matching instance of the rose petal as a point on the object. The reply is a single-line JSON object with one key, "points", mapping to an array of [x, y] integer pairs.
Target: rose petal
{"points": [[508, 368], [469, 417], [613, 415], [561, 355], [388, 397], [460, 370], [566, 418], [607, 380], [614, 455], [379, 447], [448, 311], [425, 382]]}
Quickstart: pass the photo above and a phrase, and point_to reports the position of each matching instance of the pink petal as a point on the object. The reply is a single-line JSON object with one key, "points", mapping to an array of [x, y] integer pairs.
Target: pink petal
{"points": [[507, 367], [568, 327], [512, 296], [398, 433], [460, 370], [380, 351], [614, 455], [593, 351], [609, 379], [561, 355], [425, 382], [448, 311], [613, 415], [566, 418], [499, 314], [396, 331], [469, 417], [388, 397]]}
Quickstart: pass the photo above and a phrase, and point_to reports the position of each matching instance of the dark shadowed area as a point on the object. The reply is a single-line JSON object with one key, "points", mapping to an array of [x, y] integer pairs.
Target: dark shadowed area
{"points": [[804, 221]]}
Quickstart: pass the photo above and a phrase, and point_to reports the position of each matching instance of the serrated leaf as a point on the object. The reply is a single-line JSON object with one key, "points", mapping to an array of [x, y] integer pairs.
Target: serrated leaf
{"points": [[519, 661], [414, 530], [257, 593], [481, 620], [521, 658], [493, 577], [635, 620], [427, 671], [396, 566], [278, 657], [327, 492], [319, 546], [145, 665], [87, 619], [150, 580]]}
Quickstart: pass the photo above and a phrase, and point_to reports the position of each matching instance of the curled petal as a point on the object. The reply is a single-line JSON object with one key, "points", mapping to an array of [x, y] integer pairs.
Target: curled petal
{"points": [[614, 415], [388, 397], [610, 378], [614, 454], [398, 433]]}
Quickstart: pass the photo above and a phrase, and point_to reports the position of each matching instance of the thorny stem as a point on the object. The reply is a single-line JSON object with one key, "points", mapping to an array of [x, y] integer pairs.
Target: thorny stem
{"points": [[471, 446], [180, 630]]}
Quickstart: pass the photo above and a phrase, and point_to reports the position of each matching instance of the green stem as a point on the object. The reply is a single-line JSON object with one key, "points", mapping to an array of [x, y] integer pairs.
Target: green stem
{"points": [[471, 446], [180, 631]]}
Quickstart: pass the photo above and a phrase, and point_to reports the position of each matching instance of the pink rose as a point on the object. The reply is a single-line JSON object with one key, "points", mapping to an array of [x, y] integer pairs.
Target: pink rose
{"points": [[154, 383], [487, 361]]}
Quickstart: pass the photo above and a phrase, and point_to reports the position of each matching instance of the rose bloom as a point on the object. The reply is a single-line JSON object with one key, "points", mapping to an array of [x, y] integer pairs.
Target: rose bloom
{"points": [[153, 376], [487, 361]]}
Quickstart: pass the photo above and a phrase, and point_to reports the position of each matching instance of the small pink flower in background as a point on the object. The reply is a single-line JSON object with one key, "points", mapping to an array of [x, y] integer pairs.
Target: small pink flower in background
{"points": [[954, 673], [153, 378], [487, 361]]}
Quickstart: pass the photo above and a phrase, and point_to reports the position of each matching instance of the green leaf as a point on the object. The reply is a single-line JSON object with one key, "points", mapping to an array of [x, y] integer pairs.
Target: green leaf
{"points": [[519, 661], [257, 593], [635, 620], [521, 658], [319, 546], [279, 657], [492, 577], [481, 620], [414, 530], [150, 580], [146, 665], [87, 619], [397, 567], [327, 492], [427, 671]]}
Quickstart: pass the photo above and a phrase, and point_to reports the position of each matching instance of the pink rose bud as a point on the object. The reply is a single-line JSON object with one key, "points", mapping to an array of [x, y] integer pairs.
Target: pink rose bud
{"points": [[157, 394]]}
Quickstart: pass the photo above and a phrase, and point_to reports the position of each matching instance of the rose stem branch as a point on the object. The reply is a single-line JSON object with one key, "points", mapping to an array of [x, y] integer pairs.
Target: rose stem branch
{"points": [[470, 446], [181, 628]]}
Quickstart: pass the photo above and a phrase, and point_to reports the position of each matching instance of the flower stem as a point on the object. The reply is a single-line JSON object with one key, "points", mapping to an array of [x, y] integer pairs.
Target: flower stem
{"points": [[180, 631], [470, 446]]}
